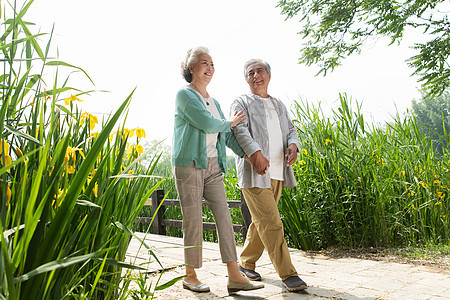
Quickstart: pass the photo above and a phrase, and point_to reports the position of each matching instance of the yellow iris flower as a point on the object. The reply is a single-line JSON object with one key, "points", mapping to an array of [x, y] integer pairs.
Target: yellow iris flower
{"points": [[71, 99], [4, 150], [126, 133], [91, 118], [139, 149], [140, 133], [4, 146], [8, 194], [8, 160], [60, 197], [70, 158], [95, 189], [18, 152], [440, 194]]}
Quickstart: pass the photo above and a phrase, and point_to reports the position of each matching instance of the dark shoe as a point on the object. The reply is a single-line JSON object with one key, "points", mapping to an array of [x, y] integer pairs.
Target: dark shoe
{"points": [[294, 283], [200, 288], [250, 274], [234, 287]]}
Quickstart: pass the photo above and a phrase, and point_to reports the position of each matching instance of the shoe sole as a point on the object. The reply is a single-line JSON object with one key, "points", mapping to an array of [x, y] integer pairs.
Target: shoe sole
{"points": [[295, 289], [195, 290], [251, 278], [232, 291]]}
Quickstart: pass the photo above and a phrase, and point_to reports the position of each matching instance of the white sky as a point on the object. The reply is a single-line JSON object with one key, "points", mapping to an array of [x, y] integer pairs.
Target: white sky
{"points": [[141, 43]]}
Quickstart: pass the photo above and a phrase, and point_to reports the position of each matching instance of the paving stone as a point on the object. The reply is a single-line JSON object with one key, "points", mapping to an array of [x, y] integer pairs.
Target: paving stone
{"points": [[364, 293], [409, 296], [293, 296], [349, 277], [340, 285], [419, 289], [327, 278], [437, 279], [385, 283]]}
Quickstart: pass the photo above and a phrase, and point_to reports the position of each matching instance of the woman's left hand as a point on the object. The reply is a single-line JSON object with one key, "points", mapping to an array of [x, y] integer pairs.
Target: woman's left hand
{"points": [[237, 118]]}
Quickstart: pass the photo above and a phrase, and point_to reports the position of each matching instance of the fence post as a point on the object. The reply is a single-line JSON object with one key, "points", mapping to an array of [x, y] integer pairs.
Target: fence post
{"points": [[246, 217], [157, 197]]}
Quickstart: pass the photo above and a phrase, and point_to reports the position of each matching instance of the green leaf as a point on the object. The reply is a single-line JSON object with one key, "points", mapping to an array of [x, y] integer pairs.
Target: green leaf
{"points": [[23, 135], [169, 283], [61, 63], [17, 161], [64, 109], [8, 232], [58, 264], [56, 91], [87, 203], [116, 263], [124, 228]]}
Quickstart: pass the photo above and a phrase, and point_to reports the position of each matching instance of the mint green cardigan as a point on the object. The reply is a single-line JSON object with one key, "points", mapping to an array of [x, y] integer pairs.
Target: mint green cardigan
{"points": [[192, 122]]}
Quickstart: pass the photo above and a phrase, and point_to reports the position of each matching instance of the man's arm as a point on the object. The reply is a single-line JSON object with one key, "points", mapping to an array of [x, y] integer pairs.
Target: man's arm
{"points": [[251, 148]]}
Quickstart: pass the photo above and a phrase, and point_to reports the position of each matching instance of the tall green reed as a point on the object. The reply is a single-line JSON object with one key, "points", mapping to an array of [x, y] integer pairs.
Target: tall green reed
{"points": [[361, 186], [68, 195]]}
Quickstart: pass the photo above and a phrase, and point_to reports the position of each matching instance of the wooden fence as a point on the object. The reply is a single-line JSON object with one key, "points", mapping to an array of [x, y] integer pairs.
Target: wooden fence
{"points": [[159, 223]]}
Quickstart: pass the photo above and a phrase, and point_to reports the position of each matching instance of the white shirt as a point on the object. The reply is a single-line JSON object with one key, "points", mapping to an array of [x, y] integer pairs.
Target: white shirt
{"points": [[276, 150], [211, 138]]}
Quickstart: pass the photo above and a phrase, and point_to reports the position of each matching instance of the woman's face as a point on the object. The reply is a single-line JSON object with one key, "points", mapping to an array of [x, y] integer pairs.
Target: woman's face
{"points": [[203, 68]]}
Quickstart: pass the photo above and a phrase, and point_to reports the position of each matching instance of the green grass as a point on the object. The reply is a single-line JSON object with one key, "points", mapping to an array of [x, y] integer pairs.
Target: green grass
{"points": [[429, 252], [361, 186]]}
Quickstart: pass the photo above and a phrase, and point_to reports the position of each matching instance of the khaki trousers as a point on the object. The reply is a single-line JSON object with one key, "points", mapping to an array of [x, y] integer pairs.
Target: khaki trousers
{"points": [[193, 185], [266, 230]]}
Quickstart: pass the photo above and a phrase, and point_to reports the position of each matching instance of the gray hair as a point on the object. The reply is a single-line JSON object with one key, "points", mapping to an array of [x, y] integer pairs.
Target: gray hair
{"points": [[191, 58], [256, 60]]}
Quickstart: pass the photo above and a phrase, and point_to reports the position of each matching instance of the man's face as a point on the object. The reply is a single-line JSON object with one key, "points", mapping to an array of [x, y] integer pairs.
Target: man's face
{"points": [[258, 79]]}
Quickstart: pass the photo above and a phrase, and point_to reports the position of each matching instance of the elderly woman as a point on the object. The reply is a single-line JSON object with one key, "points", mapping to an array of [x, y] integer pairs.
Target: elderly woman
{"points": [[198, 158]]}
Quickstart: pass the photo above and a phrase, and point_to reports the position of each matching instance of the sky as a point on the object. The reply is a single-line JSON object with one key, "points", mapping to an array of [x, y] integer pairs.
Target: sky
{"points": [[139, 44]]}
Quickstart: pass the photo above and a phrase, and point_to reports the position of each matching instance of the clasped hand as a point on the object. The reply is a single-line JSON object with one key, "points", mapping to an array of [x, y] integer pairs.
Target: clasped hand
{"points": [[261, 164]]}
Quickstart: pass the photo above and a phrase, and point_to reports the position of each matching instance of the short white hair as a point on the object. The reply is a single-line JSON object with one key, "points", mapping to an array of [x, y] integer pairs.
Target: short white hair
{"points": [[253, 61], [190, 59]]}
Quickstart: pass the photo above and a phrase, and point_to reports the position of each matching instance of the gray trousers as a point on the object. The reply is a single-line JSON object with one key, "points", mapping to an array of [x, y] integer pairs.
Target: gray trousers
{"points": [[192, 186]]}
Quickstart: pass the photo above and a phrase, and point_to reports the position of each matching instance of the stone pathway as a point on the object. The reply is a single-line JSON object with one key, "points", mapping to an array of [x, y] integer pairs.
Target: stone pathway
{"points": [[327, 278]]}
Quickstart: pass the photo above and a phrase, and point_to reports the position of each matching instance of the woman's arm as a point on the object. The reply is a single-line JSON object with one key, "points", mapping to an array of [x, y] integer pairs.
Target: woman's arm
{"points": [[190, 108]]}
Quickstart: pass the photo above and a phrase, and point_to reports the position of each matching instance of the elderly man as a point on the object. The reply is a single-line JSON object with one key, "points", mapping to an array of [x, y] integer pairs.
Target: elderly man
{"points": [[270, 142]]}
